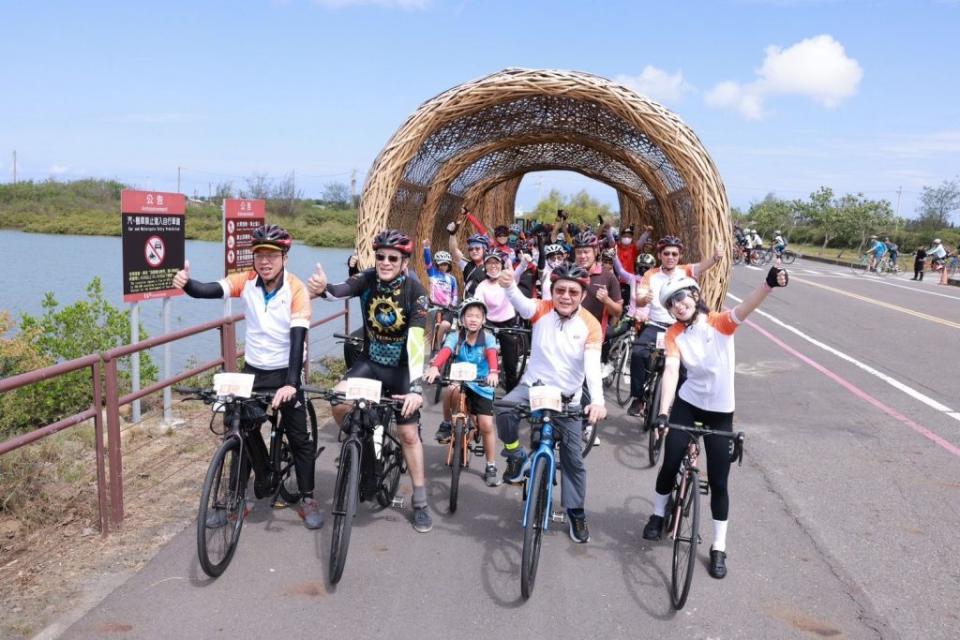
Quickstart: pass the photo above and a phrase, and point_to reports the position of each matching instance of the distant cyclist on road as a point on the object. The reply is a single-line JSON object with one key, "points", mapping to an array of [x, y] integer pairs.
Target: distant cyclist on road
{"points": [[443, 286], [277, 320], [702, 341], [876, 251]]}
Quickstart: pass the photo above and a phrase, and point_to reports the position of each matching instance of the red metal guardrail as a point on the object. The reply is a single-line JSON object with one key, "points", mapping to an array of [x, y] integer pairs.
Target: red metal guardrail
{"points": [[107, 400]]}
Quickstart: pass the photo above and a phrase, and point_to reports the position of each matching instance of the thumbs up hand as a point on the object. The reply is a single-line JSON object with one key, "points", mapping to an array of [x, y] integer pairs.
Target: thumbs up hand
{"points": [[317, 284], [777, 276], [505, 279], [180, 280]]}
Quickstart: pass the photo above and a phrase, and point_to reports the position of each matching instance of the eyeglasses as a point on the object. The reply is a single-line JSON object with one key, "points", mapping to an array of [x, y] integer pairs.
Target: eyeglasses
{"points": [[679, 296], [573, 292], [392, 258], [267, 256], [670, 254]]}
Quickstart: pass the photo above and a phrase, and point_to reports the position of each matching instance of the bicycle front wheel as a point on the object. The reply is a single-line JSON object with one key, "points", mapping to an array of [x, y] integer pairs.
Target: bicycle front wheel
{"points": [[788, 257], [622, 382], [345, 496], [533, 533], [456, 460], [685, 542], [654, 440], [222, 508]]}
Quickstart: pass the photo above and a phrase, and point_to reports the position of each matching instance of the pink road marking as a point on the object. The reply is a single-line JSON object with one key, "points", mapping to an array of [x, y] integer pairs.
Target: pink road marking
{"points": [[857, 391]]}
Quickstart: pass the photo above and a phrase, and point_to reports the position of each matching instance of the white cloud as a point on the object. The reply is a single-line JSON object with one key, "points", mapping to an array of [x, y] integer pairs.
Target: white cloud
{"points": [[58, 169], [817, 68], [657, 84], [387, 4]]}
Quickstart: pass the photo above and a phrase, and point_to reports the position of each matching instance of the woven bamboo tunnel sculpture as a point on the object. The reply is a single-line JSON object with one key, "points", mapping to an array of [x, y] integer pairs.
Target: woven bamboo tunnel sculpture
{"points": [[473, 144]]}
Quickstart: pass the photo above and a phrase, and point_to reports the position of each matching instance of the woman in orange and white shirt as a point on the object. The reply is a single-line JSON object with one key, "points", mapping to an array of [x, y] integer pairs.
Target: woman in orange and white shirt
{"points": [[702, 341]]}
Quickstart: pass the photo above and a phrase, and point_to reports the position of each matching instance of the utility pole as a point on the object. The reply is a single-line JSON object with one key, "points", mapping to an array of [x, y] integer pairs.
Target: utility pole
{"points": [[178, 179], [896, 216], [353, 188]]}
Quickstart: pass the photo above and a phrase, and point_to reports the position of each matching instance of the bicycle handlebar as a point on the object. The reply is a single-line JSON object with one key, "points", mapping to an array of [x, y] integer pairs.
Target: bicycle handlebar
{"points": [[517, 330], [209, 396], [738, 437], [350, 339], [339, 397], [445, 382], [524, 411]]}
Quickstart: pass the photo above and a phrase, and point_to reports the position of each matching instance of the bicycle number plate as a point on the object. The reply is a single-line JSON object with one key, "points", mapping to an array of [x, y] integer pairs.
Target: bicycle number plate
{"points": [[545, 397], [363, 389], [239, 385], [463, 371], [661, 340]]}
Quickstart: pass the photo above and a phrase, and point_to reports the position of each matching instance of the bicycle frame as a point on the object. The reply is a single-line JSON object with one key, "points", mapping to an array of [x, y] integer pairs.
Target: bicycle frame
{"points": [[544, 451], [472, 425]]}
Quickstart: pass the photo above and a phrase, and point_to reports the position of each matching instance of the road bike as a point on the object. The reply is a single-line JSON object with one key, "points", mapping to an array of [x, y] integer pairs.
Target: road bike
{"points": [[465, 433], [223, 497], [683, 508], [538, 485], [882, 268], [370, 462], [766, 256], [652, 391], [620, 354]]}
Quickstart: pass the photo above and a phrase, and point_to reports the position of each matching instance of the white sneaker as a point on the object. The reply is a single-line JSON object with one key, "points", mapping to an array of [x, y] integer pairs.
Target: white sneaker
{"points": [[606, 371]]}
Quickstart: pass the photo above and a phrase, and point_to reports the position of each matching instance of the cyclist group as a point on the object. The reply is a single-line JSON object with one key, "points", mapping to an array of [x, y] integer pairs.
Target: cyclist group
{"points": [[570, 295]]}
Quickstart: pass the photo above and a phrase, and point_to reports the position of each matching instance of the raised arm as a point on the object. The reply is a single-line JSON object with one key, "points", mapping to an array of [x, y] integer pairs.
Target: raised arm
{"points": [[708, 263], [776, 277]]}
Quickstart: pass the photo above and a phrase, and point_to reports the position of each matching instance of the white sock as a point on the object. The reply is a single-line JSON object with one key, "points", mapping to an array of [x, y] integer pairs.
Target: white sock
{"points": [[660, 503], [719, 535]]}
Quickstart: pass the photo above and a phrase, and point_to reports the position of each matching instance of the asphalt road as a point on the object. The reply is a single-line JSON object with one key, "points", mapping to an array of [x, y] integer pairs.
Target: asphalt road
{"points": [[844, 516]]}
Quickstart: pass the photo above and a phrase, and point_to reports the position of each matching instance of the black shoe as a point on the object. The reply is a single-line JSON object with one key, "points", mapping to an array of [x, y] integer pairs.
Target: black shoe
{"points": [[636, 407], [517, 466], [444, 432], [718, 564], [579, 532], [654, 528]]}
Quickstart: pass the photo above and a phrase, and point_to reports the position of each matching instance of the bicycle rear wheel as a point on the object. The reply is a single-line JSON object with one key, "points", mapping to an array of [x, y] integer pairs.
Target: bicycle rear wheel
{"points": [[622, 382], [654, 441], [756, 257], [686, 541], [345, 494], [590, 440], [456, 460], [788, 257], [222, 508], [533, 533]]}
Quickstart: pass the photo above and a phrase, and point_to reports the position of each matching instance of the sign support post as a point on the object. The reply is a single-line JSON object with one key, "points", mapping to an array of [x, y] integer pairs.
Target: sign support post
{"points": [[135, 357]]}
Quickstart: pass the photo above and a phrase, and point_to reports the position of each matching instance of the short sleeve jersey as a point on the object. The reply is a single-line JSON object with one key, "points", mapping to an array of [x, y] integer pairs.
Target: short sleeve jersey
{"points": [[600, 278], [476, 354], [269, 316], [557, 356], [654, 279], [389, 310], [706, 351]]}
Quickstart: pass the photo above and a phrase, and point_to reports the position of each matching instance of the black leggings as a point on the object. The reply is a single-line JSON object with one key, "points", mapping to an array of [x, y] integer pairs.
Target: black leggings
{"points": [[510, 350], [716, 447], [293, 417]]}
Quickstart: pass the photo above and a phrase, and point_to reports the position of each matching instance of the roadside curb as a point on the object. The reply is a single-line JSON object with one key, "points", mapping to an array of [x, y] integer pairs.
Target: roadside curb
{"points": [[953, 282]]}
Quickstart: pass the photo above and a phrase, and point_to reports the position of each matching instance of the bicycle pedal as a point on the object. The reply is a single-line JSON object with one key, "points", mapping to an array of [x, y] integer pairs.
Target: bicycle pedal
{"points": [[279, 504], [397, 502], [558, 516], [704, 489]]}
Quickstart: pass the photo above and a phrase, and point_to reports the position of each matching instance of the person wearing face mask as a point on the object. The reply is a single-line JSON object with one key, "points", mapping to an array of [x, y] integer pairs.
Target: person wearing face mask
{"points": [[500, 313], [701, 341], [553, 256]]}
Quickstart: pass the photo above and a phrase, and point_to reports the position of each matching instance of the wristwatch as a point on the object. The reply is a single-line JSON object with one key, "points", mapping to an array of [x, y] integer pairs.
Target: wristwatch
{"points": [[416, 388]]}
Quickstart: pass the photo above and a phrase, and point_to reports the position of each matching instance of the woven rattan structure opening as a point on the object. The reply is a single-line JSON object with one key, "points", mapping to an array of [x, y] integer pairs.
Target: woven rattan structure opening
{"points": [[474, 143]]}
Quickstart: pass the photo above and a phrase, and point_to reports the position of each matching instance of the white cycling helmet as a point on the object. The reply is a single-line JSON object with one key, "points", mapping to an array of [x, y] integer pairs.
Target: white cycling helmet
{"points": [[471, 302], [673, 286], [936, 241], [552, 250], [442, 257]]}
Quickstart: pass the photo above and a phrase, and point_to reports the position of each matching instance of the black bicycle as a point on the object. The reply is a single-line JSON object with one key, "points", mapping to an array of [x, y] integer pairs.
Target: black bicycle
{"points": [[369, 466], [620, 353], [522, 334], [683, 508], [223, 497], [652, 391]]}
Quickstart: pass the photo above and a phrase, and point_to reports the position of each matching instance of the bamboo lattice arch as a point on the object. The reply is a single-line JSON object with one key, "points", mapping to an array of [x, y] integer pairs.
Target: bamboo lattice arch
{"points": [[474, 143]]}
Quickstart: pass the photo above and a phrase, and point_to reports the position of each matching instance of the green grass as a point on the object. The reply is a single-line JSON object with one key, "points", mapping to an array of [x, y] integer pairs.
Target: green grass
{"points": [[92, 208]]}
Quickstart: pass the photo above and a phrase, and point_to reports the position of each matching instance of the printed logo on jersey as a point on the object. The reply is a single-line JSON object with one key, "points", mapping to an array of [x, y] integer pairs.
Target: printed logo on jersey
{"points": [[386, 315]]}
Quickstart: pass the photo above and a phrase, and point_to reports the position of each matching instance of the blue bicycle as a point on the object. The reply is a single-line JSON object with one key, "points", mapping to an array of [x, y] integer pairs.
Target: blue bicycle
{"points": [[538, 485]]}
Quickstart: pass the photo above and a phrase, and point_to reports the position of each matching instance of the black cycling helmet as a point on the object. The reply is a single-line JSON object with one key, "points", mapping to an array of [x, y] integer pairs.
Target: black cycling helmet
{"points": [[571, 272], [393, 239], [480, 239], [270, 236], [627, 230], [608, 255], [669, 241], [645, 261], [585, 239]]}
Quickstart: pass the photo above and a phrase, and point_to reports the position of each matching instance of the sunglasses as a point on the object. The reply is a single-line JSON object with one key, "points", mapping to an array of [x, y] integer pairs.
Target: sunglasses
{"points": [[573, 292], [392, 258], [476, 247], [670, 254], [679, 296]]}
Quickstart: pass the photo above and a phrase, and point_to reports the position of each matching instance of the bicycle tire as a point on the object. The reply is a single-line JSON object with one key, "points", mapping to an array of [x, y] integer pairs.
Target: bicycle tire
{"points": [[685, 544], [614, 356], [756, 257], [456, 461], [533, 533], [788, 257], [654, 441], [392, 470], [345, 495], [217, 493], [622, 383]]}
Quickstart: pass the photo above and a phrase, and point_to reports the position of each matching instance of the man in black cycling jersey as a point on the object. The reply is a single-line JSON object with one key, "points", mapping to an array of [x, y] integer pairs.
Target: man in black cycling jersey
{"points": [[394, 310], [277, 320]]}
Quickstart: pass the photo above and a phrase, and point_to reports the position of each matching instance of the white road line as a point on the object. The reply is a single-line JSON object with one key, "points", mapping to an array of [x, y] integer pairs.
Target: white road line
{"points": [[811, 272], [913, 393], [750, 266]]}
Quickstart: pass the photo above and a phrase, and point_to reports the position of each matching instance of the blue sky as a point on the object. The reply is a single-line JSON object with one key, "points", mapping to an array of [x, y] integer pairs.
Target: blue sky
{"points": [[786, 95]]}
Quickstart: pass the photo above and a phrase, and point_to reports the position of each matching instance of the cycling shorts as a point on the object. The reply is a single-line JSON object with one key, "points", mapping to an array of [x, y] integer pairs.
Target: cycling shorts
{"points": [[395, 380]]}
